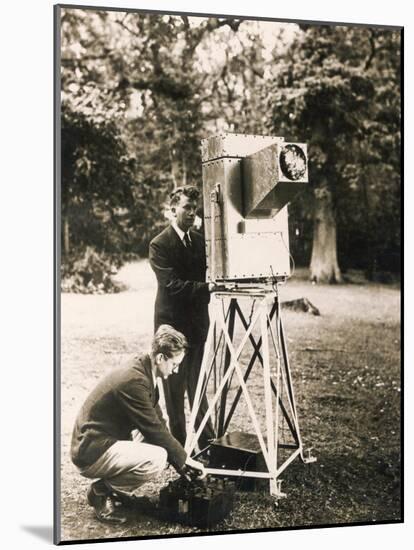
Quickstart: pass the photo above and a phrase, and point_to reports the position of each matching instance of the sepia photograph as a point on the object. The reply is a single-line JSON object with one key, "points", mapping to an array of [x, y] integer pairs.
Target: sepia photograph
{"points": [[228, 227]]}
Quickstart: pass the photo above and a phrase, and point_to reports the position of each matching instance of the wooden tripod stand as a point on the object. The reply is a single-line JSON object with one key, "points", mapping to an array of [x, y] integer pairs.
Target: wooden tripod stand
{"points": [[277, 427]]}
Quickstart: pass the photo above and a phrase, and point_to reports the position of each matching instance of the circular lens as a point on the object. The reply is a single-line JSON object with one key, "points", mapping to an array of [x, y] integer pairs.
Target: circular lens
{"points": [[293, 162]]}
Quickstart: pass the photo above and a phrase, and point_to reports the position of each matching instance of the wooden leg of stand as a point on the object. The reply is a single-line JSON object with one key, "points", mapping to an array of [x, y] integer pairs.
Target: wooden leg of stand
{"points": [[268, 393], [231, 323]]}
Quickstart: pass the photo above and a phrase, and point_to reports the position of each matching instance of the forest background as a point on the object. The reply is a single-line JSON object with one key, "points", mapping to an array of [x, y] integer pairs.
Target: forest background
{"points": [[140, 91]]}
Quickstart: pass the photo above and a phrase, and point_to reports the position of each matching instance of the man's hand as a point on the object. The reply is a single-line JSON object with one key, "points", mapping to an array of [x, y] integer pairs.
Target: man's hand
{"points": [[213, 287], [198, 466]]}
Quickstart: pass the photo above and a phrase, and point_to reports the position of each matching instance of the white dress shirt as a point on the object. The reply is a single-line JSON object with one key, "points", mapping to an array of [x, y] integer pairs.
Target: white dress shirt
{"points": [[180, 232]]}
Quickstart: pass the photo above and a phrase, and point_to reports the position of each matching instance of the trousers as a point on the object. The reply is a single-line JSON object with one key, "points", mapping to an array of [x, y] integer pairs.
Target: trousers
{"points": [[175, 387], [127, 465]]}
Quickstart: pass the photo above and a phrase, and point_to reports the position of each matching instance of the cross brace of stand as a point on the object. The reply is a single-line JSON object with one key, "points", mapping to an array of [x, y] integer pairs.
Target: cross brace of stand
{"points": [[279, 397]]}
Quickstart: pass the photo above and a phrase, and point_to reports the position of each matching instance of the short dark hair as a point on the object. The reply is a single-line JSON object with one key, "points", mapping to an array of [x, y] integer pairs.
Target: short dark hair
{"points": [[168, 341], [190, 191]]}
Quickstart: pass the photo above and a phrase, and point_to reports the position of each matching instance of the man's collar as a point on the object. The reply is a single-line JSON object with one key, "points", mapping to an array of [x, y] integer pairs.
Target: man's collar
{"points": [[153, 375], [179, 231]]}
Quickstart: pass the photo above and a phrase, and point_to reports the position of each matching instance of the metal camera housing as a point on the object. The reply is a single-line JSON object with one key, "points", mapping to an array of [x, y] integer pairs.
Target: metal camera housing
{"points": [[248, 181]]}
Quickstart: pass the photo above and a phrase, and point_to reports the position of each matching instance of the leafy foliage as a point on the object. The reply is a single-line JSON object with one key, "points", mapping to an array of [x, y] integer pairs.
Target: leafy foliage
{"points": [[133, 113], [140, 91], [97, 183], [339, 90], [89, 274]]}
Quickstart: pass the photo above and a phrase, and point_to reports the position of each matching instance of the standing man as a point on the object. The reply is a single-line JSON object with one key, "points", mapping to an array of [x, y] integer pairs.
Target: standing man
{"points": [[120, 438], [177, 256]]}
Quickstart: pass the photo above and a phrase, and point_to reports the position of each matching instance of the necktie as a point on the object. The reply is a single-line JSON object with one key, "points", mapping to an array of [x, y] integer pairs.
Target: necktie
{"points": [[187, 241]]}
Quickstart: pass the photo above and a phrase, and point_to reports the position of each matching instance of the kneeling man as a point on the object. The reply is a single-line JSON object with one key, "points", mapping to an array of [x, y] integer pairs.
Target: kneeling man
{"points": [[120, 437]]}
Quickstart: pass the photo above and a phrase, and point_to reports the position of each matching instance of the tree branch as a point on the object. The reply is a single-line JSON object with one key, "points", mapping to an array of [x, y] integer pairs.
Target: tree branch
{"points": [[373, 50], [122, 24]]}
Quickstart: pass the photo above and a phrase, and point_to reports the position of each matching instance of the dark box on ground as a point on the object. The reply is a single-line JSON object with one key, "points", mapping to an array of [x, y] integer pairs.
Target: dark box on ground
{"points": [[199, 503], [240, 451]]}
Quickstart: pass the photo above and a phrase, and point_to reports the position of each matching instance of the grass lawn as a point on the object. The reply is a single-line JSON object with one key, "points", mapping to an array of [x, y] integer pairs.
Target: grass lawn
{"points": [[346, 374]]}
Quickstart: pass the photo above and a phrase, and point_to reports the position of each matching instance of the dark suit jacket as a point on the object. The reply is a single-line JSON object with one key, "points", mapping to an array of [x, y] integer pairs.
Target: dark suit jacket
{"points": [[183, 296], [122, 401]]}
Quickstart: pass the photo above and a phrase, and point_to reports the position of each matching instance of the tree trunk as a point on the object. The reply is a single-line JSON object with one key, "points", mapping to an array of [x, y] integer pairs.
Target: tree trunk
{"points": [[175, 172], [178, 171], [184, 167], [324, 263], [66, 243]]}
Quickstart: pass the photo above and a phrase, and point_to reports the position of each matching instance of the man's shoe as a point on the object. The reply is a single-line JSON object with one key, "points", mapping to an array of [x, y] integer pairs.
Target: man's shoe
{"points": [[100, 498]]}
